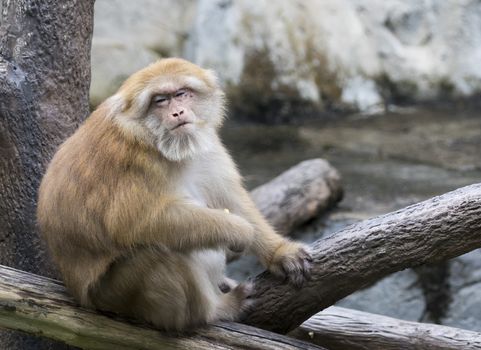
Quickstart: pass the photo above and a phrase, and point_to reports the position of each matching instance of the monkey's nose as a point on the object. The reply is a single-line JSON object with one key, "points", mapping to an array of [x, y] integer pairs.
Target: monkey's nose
{"points": [[177, 114]]}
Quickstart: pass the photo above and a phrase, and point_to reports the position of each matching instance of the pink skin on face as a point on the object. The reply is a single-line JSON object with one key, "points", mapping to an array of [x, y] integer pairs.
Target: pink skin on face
{"points": [[174, 109]]}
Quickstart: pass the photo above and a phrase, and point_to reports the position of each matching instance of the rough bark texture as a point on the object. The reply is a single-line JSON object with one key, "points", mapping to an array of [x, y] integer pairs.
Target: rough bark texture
{"points": [[299, 194], [37, 305], [428, 232], [41, 306], [338, 328], [434, 230], [44, 80]]}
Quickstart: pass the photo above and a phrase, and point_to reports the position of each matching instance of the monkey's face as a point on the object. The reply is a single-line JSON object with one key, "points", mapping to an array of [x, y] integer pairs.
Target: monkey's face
{"points": [[174, 110], [178, 129], [174, 105]]}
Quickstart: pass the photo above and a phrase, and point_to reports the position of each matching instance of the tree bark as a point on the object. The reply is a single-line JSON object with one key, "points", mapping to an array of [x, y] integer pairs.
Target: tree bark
{"points": [[39, 305], [44, 81], [56, 316], [299, 194], [428, 232], [338, 328]]}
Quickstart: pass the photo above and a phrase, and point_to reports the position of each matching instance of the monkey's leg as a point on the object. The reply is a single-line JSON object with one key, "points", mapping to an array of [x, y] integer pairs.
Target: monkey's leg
{"points": [[155, 285], [229, 297], [173, 291]]}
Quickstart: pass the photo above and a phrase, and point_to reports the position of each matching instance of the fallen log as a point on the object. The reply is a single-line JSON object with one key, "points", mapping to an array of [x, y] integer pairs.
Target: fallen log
{"points": [[299, 194], [41, 306], [338, 328], [437, 229]]}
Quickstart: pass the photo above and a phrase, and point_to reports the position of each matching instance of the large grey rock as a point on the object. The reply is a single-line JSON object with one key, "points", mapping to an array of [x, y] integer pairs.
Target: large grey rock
{"points": [[112, 63], [308, 50], [128, 35], [281, 55], [465, 308], [397, 295]]}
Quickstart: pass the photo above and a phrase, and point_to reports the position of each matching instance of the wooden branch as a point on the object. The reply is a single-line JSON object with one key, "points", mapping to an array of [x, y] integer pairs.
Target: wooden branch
{"points": [[299, 194], [41, 306], [338, 328], [428, 232], [437, 229]]}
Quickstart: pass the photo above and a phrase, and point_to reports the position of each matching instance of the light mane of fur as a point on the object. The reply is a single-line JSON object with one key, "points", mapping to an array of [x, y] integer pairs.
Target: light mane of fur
{"points": [[130, 107]]}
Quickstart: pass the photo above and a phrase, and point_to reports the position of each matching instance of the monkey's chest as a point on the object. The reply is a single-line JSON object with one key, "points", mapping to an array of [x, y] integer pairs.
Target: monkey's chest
{"points": [[194, 194]]}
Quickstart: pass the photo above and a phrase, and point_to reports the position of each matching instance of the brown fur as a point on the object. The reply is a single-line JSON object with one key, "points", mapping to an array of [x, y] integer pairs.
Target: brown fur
{"points": [[139, 234]]}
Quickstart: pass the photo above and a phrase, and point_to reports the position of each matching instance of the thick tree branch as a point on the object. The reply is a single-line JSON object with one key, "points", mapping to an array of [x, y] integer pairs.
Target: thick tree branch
{"points": [[338, 328], [41, 306], [428, 232]]}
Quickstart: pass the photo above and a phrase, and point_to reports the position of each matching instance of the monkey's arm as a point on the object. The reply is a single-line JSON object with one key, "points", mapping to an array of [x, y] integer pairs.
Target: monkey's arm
{"points": [[179, 225], [281, 256]]}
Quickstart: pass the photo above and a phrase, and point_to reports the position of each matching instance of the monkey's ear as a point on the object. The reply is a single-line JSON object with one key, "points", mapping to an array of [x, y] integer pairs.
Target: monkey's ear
{"points": [[212, 78], [116, 104], [134, 103]]}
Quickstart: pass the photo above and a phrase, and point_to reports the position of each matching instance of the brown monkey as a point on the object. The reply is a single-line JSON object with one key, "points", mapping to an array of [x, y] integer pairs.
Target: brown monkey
{"points": [[140, 204]]}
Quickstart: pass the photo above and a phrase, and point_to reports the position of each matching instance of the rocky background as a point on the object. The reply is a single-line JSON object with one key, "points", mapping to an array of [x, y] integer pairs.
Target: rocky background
{"points": [[345, 74], [288, 59]]}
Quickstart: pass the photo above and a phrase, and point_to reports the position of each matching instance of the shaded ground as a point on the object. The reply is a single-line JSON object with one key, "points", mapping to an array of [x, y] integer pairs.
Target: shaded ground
{"points": [[387, 162]]}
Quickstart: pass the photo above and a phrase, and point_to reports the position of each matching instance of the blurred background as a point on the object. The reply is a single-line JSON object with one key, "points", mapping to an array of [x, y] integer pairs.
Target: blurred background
{"points": [[387, 91]]}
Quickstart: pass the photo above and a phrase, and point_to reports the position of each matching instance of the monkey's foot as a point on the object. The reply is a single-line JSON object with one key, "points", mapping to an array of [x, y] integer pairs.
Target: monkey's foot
{"points": [[227, 285], [236, 302], [243, 293]]}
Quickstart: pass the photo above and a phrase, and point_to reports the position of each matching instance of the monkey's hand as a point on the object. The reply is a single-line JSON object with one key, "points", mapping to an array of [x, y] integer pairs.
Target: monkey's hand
{"points": [[291, 261], [243, 235]]}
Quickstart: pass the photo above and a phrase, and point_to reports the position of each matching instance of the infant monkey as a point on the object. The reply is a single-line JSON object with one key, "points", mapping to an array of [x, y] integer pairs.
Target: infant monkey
{"points": [[133, 205]]}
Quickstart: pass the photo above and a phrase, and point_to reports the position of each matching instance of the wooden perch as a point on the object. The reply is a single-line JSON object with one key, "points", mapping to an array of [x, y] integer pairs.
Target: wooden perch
{"points": [[338, 328], [434, 230], [41, 306], [299, 194], [44, 82], [428, 232]]}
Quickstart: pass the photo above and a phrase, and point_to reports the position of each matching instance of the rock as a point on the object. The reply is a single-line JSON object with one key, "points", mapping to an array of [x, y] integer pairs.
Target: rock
{"points": [[112, 63], [464, 309], [397, 295], [465, 281], [278, 58], [128, 35]]}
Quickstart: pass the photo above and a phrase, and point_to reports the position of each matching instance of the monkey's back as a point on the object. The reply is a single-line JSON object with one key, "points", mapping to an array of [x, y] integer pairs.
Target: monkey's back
{"points": [[91, 175]]}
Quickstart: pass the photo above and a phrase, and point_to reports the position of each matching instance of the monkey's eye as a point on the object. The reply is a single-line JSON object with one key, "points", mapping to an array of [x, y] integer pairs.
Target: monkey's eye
{"points": [[160, 99], [180, 93]]}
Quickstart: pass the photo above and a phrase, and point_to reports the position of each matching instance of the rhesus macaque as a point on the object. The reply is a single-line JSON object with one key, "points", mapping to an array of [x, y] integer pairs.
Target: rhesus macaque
{"points": [[140, 204]]}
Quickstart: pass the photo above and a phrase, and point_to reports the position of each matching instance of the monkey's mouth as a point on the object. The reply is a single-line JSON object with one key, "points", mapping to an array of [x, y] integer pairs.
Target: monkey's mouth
{"points": [[180, 125]]}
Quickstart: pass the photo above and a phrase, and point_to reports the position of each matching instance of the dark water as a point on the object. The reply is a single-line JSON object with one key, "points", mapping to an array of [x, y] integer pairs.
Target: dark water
{"points": [[386, 161]]}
